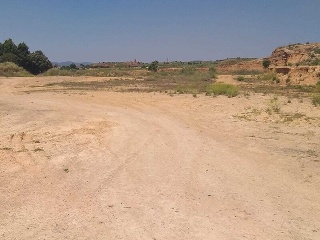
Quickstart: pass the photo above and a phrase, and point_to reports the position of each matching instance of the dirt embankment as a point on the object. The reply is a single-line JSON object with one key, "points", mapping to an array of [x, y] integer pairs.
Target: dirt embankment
{"points": [[297, 63], [306, 75], [295, 54], [245, 66]]}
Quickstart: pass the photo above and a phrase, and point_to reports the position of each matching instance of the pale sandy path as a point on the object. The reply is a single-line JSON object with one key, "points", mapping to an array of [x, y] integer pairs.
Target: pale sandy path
{"points": [[143, 166]]}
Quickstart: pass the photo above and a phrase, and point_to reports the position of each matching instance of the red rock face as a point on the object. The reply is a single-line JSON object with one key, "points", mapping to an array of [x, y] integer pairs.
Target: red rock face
{"points": [[296, 54]]}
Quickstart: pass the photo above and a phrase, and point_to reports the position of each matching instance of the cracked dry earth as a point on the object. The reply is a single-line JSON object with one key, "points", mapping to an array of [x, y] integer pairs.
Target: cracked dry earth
{"points": [[105, 165]]}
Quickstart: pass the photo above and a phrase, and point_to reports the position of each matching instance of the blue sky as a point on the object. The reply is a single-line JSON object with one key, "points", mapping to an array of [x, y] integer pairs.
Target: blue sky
{"points": [[146, 30]]}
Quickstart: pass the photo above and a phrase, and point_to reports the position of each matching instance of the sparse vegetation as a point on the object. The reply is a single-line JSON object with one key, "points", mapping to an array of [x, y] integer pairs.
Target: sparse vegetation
{"points": [[246, 72], [316, 95], [38, 150], [240, 78], [270, 76], [222, 89], [316, 99], [266, 63], [9, 69], [274, 106], [189, 70], [316, 51], [153, 67]]}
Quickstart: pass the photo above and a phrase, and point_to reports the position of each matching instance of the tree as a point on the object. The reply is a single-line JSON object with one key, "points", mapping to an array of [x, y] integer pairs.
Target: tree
{"points": [[9, 57], [35, 62], [8, 46], [266, 63], [39, 63], [153, 67], [23, 50], [72, 66], [23, 53]]}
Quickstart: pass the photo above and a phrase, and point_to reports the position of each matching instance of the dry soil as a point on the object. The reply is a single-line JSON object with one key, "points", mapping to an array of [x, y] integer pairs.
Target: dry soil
{"points": [[105, 165]]}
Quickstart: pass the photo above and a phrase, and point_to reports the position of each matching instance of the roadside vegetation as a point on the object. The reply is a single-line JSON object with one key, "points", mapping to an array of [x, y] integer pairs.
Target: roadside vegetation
{"points": [[222, 89], [33, 62], [184, 80], [316, 95], [9, 69]]}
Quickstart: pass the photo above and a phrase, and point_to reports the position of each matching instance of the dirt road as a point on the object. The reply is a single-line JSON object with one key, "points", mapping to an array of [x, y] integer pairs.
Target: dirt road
{"points": [[105, 165]]}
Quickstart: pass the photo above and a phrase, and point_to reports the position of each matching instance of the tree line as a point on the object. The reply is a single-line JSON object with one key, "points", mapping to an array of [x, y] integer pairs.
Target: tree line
{"points": [[34, 62]]}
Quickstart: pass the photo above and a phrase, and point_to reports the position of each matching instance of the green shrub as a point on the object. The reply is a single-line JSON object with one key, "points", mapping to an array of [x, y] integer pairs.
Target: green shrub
{"points": [[153, 67], [188, 70], [246, 72], [212, 69], [9, 69], [317, 87], [316, 99], [317, 51], [315, 62], [270, 76], [266, 63], [213, 72], [240, 78], [222, 89]]}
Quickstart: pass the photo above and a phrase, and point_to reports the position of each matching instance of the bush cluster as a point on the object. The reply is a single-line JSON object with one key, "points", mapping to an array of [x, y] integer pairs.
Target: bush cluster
{"points": [[9, 69], [222, 89], [34, 62]]}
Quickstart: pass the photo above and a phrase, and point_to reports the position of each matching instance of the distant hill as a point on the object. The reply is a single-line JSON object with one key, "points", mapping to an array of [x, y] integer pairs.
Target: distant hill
{"points": [[67, 63]]}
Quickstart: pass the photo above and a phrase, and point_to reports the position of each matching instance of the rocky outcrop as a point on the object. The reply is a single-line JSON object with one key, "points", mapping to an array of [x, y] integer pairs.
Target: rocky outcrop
{"points": [[297, 63], [305, 75], [296, 54]]}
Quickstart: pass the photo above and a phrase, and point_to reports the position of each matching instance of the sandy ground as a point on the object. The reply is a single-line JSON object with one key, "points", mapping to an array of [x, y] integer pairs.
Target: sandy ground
{"points": [[106, 165]]}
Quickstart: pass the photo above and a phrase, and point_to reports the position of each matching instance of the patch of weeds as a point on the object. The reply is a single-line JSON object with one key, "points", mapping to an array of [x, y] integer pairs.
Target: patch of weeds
{"points": [[222, 89], [288, 80], [274, 106], [188, 70], [292, 117], [276, 79], [6, 149], [194, 95], [316, 95], [249, 116], [312, 153], [38, 150], [316, 99], [9, 69], [246, 72], [317, 88], [240, 78], [66, 170], [268, 76], [246, 94]]}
